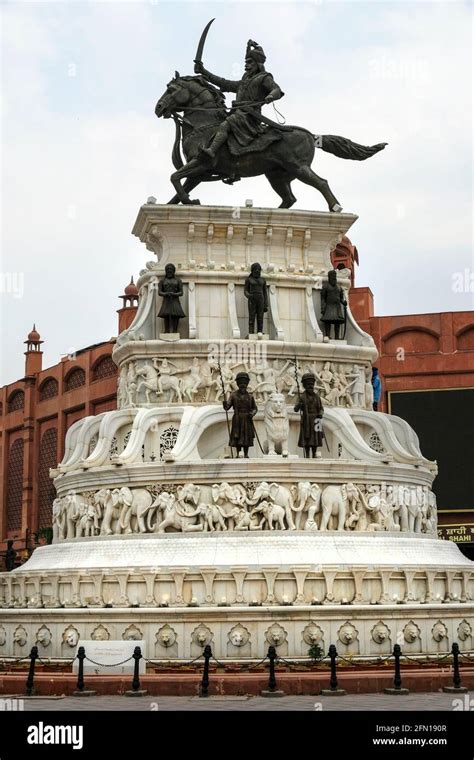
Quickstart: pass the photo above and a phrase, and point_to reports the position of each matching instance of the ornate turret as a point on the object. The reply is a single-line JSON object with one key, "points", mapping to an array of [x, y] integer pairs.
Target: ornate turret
{"points": [[128, 309], [33, 353]]}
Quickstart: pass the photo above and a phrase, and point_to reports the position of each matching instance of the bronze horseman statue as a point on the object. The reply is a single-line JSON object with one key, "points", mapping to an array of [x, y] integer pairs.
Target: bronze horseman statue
{"points": [[311, 408], [244, 406], [226, 144], [170, 288], [255, 291]]}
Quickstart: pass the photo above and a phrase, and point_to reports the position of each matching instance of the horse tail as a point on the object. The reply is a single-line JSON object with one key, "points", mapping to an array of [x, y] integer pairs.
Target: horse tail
{"points": [[176, 154], [342, 147]]}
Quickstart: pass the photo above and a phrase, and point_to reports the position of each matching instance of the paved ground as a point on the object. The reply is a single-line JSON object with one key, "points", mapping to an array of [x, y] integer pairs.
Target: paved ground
{"points": [[364, 702]]}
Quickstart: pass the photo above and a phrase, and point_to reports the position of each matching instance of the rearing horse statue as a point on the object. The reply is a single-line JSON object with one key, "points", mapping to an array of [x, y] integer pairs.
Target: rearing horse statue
{"points": [[282, 154]]}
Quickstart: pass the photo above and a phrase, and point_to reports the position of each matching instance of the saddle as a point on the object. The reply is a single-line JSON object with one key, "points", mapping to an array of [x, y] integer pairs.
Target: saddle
{"points": [[258, 144]]}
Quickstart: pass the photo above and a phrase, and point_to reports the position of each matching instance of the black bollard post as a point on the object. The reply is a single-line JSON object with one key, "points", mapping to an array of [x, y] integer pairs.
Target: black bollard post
{"points": [[136, 691], [81, 691], [397, 678], [333, 658], [272, 684], [81, 656], [137, 656], [31, 672], [204, 691], [456, 688], [334, 690], [272, 690]]}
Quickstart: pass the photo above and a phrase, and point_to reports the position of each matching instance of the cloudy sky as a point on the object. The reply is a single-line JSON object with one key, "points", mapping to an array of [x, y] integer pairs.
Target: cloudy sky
{"points": [[81, 149]]}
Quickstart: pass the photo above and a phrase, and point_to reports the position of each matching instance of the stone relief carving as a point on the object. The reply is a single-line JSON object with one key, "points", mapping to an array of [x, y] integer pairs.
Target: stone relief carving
{"points": [[132, 633], [43, 636], [439, 631], [201, 635], [464, 630], [3, 636], [239, 636], [166, 636], [347, 634], [154, 380], [411, 632], [245, 506], [380, 632], [100, 633], [276, 635], [70, 636], [313, 634], [20, 636]]}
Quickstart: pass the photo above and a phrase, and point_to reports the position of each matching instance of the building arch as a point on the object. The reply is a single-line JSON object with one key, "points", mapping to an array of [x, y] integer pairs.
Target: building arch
{"points": [[49, 388], [104, 367], [411, 339], [46, 490], [16, 401], [75, 378], [465, 338], [15, 485]]}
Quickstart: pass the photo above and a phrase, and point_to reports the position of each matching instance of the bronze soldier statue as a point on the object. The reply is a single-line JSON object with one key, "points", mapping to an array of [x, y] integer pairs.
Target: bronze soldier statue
{"points": [[245, 409], [170, 288], [333, 305], [256, 87], [255, 290], [311, 407]]}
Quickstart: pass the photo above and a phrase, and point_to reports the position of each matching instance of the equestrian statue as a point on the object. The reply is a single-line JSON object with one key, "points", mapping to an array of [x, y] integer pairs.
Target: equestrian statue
{"points": [[227, 144]]}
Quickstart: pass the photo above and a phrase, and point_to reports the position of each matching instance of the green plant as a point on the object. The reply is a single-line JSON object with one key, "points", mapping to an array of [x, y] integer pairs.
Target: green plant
{"points": [[315, 652]]}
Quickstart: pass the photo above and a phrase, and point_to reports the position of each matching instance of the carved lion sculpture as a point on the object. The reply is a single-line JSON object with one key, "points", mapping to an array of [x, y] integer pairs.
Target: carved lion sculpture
{"points": [[277, 427], [166, 636], [71, 637], [347, 634], [464, 630], [439, 631], [411, 632], [239, 636], [380, 633], [43, 636]]}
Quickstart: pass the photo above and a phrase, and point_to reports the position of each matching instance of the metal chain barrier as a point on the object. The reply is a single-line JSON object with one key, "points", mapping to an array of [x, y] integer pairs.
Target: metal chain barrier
{"points": [[108, 665]]}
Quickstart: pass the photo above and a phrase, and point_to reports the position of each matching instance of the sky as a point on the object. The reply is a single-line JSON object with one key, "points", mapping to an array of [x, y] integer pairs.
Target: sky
{"points": [[81, 148]]}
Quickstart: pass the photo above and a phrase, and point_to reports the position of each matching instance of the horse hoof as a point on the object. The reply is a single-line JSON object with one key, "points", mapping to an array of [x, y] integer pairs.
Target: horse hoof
{"points": [[337, 208], [195, 202]]}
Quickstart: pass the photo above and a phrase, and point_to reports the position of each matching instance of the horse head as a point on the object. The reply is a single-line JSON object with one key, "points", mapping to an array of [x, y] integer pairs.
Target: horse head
{"points": [[181, 92]]}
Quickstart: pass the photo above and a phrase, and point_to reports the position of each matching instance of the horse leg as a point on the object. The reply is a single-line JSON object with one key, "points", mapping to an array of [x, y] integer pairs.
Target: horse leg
{"points": [[309, 177], [281, 185], [192, 170], [188, 185]]}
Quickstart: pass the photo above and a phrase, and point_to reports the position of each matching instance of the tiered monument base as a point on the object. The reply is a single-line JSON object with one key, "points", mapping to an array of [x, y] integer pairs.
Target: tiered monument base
{"points": [[242, 593]]}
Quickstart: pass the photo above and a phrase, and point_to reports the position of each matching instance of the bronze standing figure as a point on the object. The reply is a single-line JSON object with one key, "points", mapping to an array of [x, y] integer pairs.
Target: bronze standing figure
{"points": [[255, 291], [244, 406], [333, 305], [311, 408], [170, 288]]}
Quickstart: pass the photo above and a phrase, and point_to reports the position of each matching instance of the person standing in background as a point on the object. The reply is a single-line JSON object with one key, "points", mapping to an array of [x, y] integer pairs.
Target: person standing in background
{"points": [[377, 386]]}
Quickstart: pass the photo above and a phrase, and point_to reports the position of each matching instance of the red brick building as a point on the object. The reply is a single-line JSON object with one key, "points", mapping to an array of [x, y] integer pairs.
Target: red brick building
{"points": [[426, 364], [35, 413]]}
